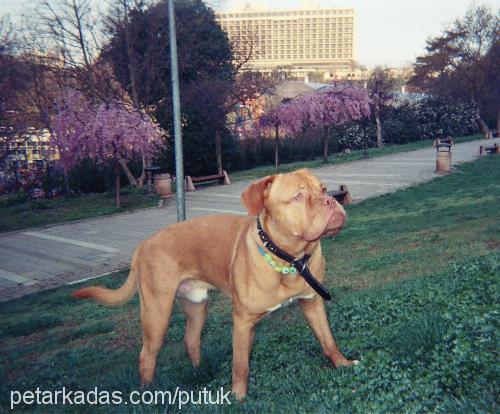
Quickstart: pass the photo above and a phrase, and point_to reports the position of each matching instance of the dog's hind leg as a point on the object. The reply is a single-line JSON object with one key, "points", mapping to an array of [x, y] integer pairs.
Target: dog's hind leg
{"points": [[196, 314], [156, 308]]}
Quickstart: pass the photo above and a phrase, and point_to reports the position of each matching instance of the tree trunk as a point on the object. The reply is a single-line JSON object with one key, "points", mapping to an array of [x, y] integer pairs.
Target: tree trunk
{"points": [[218, 151], [130, 55], [379, 129], [117, 184], [276, 149], [66, 182], [139, 182], [365, 141], [16, 176], [483, 127], [498, 123], [127, 172], [325, 146], [142, 177]]}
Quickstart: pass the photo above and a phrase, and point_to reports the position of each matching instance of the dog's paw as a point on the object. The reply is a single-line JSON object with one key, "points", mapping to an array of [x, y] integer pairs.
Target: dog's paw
{"points": [[239, 392], [346, 363]]}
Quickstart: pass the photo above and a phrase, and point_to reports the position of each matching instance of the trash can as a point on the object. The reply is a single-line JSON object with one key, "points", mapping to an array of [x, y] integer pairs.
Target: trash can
{"points": [[150, 171], [443, 155]]}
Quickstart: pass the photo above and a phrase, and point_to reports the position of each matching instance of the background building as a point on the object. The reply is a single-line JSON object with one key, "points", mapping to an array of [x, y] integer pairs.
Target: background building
{"points": [[299, 42]]}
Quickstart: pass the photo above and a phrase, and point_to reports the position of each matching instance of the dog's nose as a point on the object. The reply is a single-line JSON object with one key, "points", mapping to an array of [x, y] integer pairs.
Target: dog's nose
{"points": [[329, 201]]}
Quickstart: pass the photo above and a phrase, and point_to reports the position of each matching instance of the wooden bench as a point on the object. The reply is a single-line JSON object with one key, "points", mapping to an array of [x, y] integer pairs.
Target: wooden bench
{"points": [[495, 149], [191, 181], [342, 195]]}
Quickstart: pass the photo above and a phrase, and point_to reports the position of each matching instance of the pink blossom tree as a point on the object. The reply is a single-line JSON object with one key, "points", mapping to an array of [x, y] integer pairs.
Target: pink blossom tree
{"points": [[336, 106], [109, 133], [289, 117], [327, 108]]}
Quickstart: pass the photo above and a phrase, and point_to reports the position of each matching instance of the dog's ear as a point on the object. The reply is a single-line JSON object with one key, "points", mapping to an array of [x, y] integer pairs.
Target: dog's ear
{"points": [[253, 197]]}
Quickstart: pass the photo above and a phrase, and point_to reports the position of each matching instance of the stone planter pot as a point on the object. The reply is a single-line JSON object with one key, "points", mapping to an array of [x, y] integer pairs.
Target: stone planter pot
{"points": [[163, 186]]}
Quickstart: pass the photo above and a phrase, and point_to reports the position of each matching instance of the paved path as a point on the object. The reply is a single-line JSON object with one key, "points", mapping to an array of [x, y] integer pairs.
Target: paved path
{"points": [[42, 258]]}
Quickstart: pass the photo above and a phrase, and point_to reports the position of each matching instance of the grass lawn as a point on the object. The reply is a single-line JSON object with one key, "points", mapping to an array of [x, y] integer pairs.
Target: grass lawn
{"points": [[17, 216], [415, 283]]}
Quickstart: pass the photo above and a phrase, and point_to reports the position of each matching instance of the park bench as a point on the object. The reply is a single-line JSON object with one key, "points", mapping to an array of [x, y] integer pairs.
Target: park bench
{"points": [[494, 149], [223, 179], [342, 195]]}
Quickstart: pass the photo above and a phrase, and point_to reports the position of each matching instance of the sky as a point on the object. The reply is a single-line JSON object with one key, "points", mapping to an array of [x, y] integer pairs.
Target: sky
{"points": [[389, 32]]}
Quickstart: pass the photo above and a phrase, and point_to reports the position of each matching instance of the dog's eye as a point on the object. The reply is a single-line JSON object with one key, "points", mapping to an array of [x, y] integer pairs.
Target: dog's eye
{"points": [[299, 196]]}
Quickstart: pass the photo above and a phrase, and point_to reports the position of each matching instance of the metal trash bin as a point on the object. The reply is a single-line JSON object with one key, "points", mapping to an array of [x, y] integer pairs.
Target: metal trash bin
{"points": [[150, 172], [443, 155]]}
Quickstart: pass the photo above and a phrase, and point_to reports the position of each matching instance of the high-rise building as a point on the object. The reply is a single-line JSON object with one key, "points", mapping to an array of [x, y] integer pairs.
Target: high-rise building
{"points": [[296, 41]]}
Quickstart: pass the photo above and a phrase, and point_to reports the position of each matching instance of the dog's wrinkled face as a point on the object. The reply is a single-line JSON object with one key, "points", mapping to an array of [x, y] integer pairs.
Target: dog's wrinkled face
{"points": [[297, 203]]}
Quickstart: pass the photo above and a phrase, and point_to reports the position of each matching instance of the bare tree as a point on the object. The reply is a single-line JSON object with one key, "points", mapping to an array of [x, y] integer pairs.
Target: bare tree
{"points": [[12, 84], [70, 27], [118, 19], [247, 85], [463, 63], [74, 40]]}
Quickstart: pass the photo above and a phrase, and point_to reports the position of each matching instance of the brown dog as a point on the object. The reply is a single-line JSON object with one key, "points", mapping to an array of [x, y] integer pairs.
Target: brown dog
{"points": [[188, 258]]}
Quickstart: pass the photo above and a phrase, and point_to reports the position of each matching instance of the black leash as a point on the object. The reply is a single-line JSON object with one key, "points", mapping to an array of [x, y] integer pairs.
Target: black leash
{"points": [[299, 264]]}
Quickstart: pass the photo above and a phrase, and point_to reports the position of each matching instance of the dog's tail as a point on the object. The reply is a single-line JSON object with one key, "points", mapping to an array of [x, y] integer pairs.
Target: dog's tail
{"points": [[112, 297]]}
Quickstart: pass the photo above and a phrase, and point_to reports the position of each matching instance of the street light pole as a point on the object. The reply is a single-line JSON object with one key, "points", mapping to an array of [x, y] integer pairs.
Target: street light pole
{"points": [[179, 161]]}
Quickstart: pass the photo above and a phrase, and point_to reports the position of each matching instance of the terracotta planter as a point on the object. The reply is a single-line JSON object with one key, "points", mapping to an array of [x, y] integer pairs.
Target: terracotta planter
{"points": [[163, 186]]}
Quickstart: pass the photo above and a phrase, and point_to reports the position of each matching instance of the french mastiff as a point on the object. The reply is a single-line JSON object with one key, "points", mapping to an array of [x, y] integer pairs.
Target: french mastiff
{"points": [[241, 257]]}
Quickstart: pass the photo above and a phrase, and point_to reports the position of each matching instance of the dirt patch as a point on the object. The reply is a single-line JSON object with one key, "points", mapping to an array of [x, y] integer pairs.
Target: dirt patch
{"points": [[493, 244]]}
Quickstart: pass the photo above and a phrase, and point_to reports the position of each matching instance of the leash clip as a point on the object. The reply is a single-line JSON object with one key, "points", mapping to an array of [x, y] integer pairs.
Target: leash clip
{"points": [[301, 264]]}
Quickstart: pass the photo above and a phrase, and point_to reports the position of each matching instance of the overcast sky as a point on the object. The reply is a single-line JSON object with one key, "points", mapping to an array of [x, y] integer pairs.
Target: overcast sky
{"points": [[389, 32]]}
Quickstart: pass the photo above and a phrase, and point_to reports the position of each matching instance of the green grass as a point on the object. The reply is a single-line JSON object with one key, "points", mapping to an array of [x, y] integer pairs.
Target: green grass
{"points": [[414, 278], [41, 213], [17, 216]]}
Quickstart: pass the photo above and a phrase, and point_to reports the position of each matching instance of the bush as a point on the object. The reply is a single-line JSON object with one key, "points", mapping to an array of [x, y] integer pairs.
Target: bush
{"points": [[14, 199], [249, 153], [427, 119], [90, 177]]}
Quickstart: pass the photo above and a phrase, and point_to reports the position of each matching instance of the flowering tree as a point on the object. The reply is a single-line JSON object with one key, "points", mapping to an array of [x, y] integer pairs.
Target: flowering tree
{"points": [[107, 132], [334, 107], [289, 117], [330, 107], [381, 86]]}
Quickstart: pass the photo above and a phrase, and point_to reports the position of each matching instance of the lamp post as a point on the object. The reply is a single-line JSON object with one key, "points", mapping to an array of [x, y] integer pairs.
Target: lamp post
{"points": [[179, 161]]}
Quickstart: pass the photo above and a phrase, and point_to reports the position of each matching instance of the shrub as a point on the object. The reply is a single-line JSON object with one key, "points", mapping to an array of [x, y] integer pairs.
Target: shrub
{"points": [[427, 119], [88, 177]]}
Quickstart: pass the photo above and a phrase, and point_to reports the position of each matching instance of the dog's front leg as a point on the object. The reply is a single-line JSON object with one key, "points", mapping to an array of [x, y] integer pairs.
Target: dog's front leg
{"points": [[243, 332], [314, 311]]}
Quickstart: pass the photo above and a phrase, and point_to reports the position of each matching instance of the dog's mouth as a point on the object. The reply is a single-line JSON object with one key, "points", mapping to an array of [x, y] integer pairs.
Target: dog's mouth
{"points": [[334, 223], [333, 232]]}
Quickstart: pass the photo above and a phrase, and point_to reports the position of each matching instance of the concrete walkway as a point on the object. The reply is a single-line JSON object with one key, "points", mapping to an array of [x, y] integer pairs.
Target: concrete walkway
{"points": [[43, 258]]}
